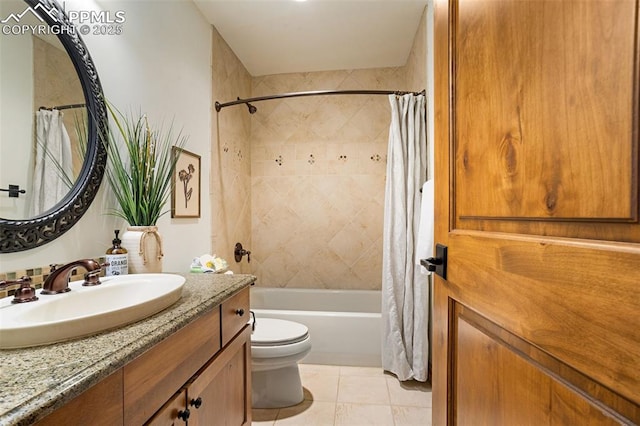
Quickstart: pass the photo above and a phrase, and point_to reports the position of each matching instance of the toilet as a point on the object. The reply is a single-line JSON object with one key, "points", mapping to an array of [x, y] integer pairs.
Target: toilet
{"points": [[276, 347]]}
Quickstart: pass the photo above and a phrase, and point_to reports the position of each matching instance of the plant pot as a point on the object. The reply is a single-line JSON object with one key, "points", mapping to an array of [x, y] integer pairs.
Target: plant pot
{"points": [[144, 245]]}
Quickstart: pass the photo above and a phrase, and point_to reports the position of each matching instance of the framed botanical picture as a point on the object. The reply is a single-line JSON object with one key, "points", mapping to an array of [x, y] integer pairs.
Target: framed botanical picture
{"points": [[185, 189]]}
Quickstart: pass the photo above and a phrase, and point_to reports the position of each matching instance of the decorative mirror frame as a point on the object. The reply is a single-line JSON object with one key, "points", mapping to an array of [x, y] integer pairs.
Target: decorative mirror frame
{"points": [[20, 235]]}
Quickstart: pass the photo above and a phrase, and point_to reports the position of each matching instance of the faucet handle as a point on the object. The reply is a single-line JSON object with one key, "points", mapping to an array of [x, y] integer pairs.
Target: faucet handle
{"points": [[25, 293], [92, 278]]}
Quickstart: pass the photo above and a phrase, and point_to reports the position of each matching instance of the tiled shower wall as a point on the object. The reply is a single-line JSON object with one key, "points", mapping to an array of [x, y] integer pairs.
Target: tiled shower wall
{"points": [[301, 182], [230, 157], [318, 167], [317, 182]]}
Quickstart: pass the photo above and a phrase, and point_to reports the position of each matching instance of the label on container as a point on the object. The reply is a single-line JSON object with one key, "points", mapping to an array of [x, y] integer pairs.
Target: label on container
{"points": [[118, 264]]}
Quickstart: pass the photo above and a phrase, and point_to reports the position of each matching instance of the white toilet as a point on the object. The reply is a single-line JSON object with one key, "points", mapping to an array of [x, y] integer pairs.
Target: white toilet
{"points": [[276, 347]]}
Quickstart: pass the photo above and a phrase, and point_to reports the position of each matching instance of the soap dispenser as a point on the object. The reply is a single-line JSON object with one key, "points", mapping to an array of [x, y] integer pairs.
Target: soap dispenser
{"points": [[117, 258]]}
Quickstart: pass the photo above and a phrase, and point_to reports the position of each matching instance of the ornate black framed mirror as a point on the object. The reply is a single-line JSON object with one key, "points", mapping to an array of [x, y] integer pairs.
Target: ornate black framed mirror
{"points": [[24, 234]]}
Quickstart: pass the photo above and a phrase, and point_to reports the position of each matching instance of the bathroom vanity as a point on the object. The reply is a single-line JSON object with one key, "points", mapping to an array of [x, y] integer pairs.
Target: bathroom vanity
{"points": [[191, 361]]}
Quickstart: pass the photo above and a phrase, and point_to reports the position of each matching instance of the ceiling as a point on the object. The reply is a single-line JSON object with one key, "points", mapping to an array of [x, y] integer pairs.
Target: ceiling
{"points": [[285, 36]]}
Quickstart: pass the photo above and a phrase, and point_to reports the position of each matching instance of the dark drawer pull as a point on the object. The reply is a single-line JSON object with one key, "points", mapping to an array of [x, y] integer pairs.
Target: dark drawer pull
{"points": [[240, 312]]}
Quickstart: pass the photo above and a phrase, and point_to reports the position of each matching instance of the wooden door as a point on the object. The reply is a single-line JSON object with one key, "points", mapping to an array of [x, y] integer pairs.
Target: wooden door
{"points": [[538, 321]]}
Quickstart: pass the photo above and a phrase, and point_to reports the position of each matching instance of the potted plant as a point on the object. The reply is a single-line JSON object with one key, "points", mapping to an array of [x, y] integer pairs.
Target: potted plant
{"points": [[140, 171]]}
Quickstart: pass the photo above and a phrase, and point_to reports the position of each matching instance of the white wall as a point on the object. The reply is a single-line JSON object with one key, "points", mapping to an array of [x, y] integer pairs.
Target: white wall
{"points": [[431, 136], [16, 115], [161, 65]]}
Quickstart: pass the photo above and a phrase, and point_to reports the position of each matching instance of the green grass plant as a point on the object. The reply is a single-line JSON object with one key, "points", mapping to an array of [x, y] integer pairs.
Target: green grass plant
{"points": [[140, 166]]}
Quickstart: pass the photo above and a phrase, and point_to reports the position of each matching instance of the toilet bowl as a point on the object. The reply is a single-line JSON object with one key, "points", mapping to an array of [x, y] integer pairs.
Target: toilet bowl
{"points": [[276, 347]]}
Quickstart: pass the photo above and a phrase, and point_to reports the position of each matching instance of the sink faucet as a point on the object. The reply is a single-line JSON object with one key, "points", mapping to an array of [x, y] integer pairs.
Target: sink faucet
{"points": [[58, 280]]}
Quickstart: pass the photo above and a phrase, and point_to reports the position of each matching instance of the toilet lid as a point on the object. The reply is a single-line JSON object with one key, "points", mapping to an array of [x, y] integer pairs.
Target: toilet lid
{"points": [[274, 332]]}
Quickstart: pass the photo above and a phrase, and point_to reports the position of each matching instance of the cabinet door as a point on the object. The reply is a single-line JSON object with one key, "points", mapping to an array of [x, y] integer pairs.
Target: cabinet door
{"points": [[221, 392], [173, 412]]}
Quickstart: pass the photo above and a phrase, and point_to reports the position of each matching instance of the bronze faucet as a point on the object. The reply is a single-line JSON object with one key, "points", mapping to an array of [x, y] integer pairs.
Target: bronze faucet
{"points": [[58, 280], [25, 293]]}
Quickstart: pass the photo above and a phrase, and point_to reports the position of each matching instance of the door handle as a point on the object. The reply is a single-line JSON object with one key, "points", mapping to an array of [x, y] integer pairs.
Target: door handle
{"points": [[437, 264]]}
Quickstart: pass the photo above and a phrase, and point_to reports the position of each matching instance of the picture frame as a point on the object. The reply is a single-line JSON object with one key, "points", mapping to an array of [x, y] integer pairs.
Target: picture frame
{"points": [[185, 185]]}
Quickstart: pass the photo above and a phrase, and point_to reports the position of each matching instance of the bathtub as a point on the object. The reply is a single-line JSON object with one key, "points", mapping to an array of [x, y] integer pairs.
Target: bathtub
{"points": [[344, 325]]}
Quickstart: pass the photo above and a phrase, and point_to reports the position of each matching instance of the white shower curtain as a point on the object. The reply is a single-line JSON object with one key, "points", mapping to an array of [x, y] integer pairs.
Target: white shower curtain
{"points": [[54, 165], [405, 291]]}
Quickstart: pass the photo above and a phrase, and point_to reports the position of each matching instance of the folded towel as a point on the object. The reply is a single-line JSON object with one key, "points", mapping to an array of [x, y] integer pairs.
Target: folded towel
{"points": [[209, 263], [424, 245]]}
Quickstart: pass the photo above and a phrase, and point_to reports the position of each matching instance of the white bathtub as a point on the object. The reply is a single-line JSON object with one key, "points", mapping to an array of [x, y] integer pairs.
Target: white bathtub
{"points": [[344, 325]]}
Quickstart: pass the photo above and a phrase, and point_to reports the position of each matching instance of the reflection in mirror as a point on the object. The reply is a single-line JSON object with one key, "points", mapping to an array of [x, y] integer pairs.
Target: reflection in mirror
{"points": [[21, 227], [41, 150]]}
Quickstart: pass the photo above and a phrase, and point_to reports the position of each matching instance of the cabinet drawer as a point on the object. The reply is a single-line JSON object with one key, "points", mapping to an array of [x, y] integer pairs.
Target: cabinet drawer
{"points": [[152, 378], [235, 315]]}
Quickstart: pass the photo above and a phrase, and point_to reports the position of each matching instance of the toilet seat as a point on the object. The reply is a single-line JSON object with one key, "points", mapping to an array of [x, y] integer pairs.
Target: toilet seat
{"points": [[278, 332]]}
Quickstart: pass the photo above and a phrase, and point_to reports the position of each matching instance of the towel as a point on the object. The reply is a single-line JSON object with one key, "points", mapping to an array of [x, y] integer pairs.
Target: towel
{"points": [[424, 246]]}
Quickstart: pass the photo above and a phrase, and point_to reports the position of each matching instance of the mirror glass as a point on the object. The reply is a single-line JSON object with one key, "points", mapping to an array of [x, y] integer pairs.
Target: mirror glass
{"points": [[35, 73], [42, 118]]}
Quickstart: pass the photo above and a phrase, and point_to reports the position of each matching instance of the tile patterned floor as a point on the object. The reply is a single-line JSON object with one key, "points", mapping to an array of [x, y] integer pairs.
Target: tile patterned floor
{"points": [[352, 396]]}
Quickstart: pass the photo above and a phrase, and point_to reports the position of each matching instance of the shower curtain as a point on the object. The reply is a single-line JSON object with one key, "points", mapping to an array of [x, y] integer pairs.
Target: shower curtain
{"points": [[405, 291], [53, 170]]}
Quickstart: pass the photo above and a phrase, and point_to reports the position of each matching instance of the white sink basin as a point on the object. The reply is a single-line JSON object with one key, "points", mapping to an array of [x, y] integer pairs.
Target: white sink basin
{"points": [[83, 311]]}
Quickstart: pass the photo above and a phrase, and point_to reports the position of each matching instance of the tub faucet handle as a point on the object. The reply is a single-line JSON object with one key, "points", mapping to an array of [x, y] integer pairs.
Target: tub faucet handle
{"points": [[239, 251]]}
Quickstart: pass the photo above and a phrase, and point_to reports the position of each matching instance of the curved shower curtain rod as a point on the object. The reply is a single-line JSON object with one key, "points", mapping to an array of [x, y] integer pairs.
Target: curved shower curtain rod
{"points": [[253, 109]]}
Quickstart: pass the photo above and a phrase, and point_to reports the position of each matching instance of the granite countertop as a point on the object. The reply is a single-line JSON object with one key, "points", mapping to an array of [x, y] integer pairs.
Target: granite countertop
{"points": [[36, 381]]}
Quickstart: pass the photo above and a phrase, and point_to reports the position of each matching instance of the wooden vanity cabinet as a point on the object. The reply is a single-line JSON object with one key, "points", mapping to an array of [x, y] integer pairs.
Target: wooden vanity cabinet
{"points": [[203, 369], [220, 393]]}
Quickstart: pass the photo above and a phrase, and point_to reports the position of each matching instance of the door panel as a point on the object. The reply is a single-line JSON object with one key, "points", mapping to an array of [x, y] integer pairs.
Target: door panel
{"points": [[537, 200], [538, 130], [507, 385]]}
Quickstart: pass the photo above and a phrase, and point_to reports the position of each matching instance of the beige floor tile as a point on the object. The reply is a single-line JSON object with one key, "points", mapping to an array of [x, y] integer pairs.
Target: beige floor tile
{"points": [[410, 393], [308, 413], [320, 387], [363, 389], [363, 415], [353, 396], [411, 416], [264, 416], [361, 371]]}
